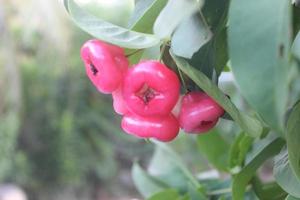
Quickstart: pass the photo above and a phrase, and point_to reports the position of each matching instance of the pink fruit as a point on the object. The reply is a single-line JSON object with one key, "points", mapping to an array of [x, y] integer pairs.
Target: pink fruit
{"points": [[151, 89], [199, 113], [161, 128], [105, 64], [118, 102]]}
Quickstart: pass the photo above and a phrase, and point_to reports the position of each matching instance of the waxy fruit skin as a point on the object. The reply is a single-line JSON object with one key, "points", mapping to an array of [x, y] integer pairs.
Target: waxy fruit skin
{"points": [[151, 89], [105, 64], [163, 129], [199, 113], [119, 104]]}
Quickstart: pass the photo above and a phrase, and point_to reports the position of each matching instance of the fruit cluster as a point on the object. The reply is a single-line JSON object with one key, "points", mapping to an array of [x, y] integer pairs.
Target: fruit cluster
{"points": [[147, 94]]}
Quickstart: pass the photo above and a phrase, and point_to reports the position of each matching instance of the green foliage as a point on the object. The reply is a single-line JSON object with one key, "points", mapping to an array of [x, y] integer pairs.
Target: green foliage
{"points": [[289, 197], [285, 176], [241, 179], [167, 22], [145, 15], [255, 55], [169, 194], [191, 34], [296, 46], [250, 125], [165, 171], [145, 183], [216, 155], [116, 12], [61, 106], [168, 167], [10, 106], [239, 150], [109, 32], [293, 138]]}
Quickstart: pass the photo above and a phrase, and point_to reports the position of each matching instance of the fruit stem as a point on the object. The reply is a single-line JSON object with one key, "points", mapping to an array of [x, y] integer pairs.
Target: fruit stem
{"points": [[182, 80], [162, 51], [134, 52]]}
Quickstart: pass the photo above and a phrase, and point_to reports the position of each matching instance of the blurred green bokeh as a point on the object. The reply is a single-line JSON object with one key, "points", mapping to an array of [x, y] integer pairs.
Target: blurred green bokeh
{"points": [[56, 131]]}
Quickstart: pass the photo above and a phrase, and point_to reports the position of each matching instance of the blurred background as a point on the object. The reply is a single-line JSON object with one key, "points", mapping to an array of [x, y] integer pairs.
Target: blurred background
{"points": [[59, 138]]}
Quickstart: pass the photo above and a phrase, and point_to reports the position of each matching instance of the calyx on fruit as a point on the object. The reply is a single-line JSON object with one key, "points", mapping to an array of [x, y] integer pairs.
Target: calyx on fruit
{"points": [[151, 89]]}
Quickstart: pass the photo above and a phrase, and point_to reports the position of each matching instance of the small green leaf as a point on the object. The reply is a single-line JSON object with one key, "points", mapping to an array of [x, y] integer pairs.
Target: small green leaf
{"points": [[66, 5], [241, 180], [296, 46], [171, 16], [259, 43], [169, 194], [214, 54], [145, 15], [152, 53], [215, 12], [168, 167], [195, 194], [191, 34], [239, 150], [109, 32], [145, 183], [217, 155], [134, 55], [290, 197], [293, 139], [115, 12], [250, 125], [267, 190], [285, 176]]}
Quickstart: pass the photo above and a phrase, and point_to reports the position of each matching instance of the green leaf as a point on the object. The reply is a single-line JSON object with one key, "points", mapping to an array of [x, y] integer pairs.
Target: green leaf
{"points": [[239, 150], [115, 12], [296, 20], [217, 155], [220, 54], [134, 55], [109, 32], [191, 34], [152, 53], [215, 12], [250, 125], [168, 167], [171, 16], [145, 183], [289, 197], [195, 194], [214, 55], [145, 14], [296, 46], [241, 180], [293, 139], [285, 176], [169, 194], [259, 54], [66, 5], [268, 190]]}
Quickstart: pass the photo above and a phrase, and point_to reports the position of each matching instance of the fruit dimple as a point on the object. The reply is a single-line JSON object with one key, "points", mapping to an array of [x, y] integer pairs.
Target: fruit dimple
{"points": [[146, 94], [204, 123], [199, 113], [93, 69]]}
